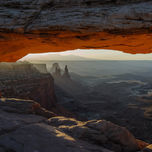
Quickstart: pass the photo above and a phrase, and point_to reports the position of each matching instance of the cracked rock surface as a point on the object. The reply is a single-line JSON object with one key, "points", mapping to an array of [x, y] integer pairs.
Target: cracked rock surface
{"points": [[29, 15], [38, 26], [30, 132]]}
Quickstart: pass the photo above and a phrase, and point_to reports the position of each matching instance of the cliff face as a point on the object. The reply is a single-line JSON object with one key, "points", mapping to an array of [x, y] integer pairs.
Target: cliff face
{"points": [[26, 82], [43, 26]]}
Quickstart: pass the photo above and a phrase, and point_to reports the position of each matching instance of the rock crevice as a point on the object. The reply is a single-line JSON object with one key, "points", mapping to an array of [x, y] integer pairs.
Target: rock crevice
{"points": [[38, 133]]}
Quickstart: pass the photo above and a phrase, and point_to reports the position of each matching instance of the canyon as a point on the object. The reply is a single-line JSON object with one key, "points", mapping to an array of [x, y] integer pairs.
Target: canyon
{"points": [[49, 26], [117, 91], [42, 111], [24, 81], [33, 118]]}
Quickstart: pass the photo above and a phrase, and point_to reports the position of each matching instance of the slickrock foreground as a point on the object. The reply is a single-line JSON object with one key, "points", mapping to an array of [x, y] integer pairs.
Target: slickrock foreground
{"points": [[22, 130]]}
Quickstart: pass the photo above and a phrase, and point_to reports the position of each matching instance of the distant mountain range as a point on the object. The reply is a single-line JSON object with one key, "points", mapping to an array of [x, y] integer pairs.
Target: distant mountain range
{"points": [[54, 57], [84, 54]]}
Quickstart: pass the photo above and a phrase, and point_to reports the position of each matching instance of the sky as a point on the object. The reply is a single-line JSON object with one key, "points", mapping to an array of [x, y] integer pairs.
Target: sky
{"points": [[97, 54]]}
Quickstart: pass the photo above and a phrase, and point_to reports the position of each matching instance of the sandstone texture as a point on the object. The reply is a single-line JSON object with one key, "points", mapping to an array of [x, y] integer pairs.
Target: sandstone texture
{"points": [[100, 132], [29, 15], [29, 26], [23, 80], [21, 129]]}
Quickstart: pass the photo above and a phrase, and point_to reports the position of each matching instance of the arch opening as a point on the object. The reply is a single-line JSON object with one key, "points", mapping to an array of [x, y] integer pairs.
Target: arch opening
{"points": [[14, 45]]}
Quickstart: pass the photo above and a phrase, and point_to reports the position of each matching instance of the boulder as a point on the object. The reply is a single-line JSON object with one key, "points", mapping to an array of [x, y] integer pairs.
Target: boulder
{"points": [[22, 106], [100, 132], [115, 133]]}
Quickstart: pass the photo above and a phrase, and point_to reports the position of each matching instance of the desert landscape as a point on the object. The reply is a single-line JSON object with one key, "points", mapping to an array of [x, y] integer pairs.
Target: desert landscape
{"points": [[73, 98], [118, 91], [75, 76]]}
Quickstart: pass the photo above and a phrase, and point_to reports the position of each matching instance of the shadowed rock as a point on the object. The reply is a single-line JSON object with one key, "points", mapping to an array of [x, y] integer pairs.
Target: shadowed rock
{"points": [[24, 107], [21, 129], [100, 132]]}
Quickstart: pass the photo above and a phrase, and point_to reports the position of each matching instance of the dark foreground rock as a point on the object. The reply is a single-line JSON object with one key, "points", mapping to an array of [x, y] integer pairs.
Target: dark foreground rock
{"points": [[21, 106], [100, 132], [22, 130]]}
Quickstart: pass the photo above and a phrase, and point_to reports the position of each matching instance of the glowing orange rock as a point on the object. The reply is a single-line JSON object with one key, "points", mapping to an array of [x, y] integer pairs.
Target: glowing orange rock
{"points": [[13, 46]]}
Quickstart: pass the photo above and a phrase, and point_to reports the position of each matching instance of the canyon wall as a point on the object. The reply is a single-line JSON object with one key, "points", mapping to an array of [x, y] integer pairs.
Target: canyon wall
{"points": [[55, 25], [24, 81]]}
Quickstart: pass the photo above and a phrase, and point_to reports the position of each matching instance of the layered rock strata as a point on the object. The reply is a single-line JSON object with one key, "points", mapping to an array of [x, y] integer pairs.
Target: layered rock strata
{"points": [[51, 25], [21, 129], [24, 81]]}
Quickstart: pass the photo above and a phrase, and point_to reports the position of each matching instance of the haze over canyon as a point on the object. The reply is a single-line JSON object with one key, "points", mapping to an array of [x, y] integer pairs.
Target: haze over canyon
{"points": [[75, 76]]}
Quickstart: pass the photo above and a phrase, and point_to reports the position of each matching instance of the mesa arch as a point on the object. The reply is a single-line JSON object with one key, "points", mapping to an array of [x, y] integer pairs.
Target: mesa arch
{"points": [[14, 46], [59, 25]]}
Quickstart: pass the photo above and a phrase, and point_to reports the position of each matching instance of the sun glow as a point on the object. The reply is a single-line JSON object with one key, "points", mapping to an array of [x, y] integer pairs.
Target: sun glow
{"points": [[90, 54]]}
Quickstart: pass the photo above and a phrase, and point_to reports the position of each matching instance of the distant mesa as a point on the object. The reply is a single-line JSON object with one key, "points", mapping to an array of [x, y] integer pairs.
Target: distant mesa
{"points": [[66, 72], [54, 68], [57, 72]]}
